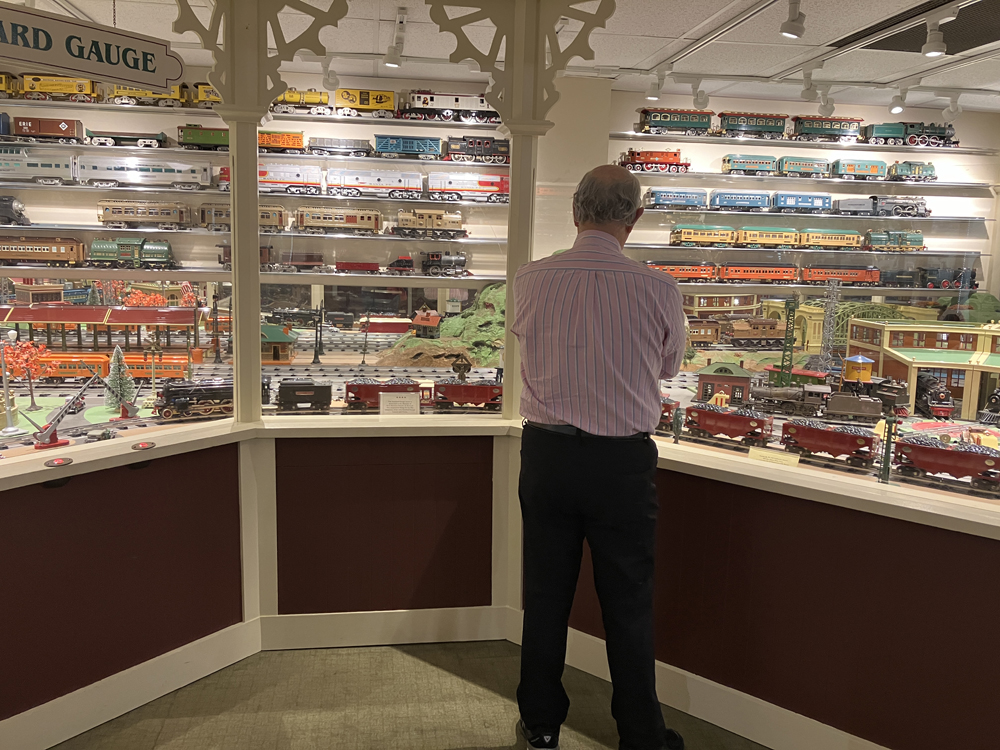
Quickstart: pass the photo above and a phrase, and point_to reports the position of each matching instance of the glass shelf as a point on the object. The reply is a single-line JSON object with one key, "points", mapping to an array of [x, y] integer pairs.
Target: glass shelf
{"points": [[182, 112], [630, 135], [974, 227], [220, 275], [222, 157], [823, 184]]}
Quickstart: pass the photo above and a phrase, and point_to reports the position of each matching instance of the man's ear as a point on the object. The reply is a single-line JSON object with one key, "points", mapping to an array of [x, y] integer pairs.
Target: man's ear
{"points": [[638, 214]]}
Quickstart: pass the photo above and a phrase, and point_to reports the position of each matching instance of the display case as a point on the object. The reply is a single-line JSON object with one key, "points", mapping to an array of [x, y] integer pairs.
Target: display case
{"points": [[839, 288]]}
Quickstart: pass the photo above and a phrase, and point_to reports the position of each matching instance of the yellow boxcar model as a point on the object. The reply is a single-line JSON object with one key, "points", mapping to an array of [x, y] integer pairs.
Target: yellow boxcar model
{"points": [[294, 101], [352, 102], [204, 95], [10, 86], [44, 87], [128, 96]]}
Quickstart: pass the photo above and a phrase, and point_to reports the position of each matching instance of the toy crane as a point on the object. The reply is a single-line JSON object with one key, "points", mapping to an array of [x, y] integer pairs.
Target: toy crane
{"points": [[462, 367], [785, 373], [48, 436]]}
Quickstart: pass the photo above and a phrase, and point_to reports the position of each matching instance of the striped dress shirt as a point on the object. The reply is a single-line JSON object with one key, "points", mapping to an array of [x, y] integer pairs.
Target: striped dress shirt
{"points": [[597, 332]]}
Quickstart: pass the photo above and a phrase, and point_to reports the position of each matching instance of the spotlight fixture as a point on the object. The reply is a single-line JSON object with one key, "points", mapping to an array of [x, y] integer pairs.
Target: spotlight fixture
{"points": [[898, 103], [394, 53], [809, 91], [953, 110], [656, 87], [827, 105], [700, 97], [935, 45], [392, 58], [795, 26], [330, 80]]}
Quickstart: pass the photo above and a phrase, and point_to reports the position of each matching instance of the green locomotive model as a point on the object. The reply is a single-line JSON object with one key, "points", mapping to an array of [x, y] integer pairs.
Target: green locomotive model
{"points": [[911, 171], [196, 137], [909, 134], [894, 241], [131, 252]]}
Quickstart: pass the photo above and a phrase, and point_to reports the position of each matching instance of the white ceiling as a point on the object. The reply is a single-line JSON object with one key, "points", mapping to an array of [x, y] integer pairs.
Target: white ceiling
{"points": [[641, 35]]}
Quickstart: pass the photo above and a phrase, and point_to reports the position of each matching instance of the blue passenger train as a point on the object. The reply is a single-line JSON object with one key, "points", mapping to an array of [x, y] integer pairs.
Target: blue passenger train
{"points": [[740, 200], [802, 203], [677, 198]]}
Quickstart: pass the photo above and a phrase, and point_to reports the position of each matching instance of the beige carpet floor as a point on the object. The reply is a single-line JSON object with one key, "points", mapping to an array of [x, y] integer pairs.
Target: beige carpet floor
{"points": [[458, 696]]}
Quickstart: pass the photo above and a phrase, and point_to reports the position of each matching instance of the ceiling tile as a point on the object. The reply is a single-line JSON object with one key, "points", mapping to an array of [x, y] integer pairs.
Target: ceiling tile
{"points": [[739, 59], [825, 21]]}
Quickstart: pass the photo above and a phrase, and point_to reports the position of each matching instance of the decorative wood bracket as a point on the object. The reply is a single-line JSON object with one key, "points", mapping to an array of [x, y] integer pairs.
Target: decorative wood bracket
{"points": [[526, 32], [251, 99]]}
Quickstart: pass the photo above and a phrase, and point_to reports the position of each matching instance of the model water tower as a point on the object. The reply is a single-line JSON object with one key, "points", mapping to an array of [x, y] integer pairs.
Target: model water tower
{"points": [[858, 369]]}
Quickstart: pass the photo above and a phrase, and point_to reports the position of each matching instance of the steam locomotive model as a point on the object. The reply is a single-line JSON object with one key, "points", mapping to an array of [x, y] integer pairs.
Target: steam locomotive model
{"points": [[443, 264], [882, 205], [12, 212], [807, 400], [933, 399]]}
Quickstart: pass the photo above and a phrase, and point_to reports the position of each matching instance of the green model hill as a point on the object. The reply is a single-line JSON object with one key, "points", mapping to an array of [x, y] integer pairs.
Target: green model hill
{"points": [[478, 332]]}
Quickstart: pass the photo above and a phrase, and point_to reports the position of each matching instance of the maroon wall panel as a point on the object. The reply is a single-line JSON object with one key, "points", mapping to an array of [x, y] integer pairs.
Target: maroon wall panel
{"points": [[882, 628], [114, 568], [369, 524]]}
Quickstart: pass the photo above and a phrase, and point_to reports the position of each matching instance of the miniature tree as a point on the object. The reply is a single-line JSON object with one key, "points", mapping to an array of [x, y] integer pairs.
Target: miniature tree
{"points": [[112, 292], [189, 300], [137, 298], [93, 297], [119, 386], [24, 360]]}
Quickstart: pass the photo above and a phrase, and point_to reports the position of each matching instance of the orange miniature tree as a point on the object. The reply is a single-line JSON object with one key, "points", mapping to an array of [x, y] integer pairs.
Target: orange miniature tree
{"points": [[24, 360], [137, 298], [189, 300], [112, 292]]}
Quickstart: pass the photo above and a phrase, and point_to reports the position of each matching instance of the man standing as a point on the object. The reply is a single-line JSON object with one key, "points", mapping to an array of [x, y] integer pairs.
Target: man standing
{"points": [[597, 332]]}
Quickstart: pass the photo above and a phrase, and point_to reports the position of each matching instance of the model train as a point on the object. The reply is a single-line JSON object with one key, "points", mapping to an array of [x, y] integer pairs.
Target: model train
{"points": [[103, 172], [61, 366], [352, 183], [664, 121], [782, 201], [701, 235], [363, 393], [817, 274], [136, 252], [914, 455]]}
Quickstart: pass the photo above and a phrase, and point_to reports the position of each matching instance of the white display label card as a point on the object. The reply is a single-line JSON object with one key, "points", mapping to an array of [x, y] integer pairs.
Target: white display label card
{"points": [[399, 404], [774, 457]]}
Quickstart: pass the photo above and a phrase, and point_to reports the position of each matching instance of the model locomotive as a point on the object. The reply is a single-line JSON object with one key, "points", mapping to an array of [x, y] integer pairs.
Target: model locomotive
{"points": [[134, 252], [702, 235], [664, 121]]}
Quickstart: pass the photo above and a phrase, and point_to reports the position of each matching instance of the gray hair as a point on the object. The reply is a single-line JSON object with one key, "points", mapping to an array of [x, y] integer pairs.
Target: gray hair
{"points": [[602, 197]]}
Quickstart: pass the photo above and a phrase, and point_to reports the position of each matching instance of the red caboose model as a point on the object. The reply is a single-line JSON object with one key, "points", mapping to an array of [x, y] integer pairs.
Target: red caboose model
{"points": [[653, 161], [748, 426], [919, 455], [806, 437], [451, 392], [362, 393]]}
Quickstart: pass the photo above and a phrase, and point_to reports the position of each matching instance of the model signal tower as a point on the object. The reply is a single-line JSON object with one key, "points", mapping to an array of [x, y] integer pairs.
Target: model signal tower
{"points": [[785, 373]]}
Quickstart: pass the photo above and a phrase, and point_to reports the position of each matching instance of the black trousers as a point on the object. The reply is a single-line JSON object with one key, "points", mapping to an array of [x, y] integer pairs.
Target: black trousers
{"points": [[574, 488]]}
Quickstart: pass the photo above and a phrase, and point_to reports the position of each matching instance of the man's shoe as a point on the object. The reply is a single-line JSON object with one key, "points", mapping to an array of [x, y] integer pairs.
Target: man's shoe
{"points": [[674, 740], [543, 740]]}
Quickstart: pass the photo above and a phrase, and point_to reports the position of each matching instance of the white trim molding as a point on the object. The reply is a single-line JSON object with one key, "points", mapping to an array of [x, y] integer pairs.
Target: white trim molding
{"points": [[765, 723], [69, 715], [396, 627]]}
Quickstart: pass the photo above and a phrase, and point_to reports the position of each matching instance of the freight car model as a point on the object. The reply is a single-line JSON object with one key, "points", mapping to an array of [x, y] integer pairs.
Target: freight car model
{"points": [[746, 425], [807, 437], [280, 142], [294, 101], [356, 102], [196, 137], [922, 456], [42, 129], [45, 88], [130, 97], [304, 394], [357, 147], [396, 146], [453, 392], [677, 121], [113, 138]]}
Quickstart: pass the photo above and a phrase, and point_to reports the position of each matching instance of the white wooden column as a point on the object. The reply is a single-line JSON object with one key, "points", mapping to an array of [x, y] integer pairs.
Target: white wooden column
{"points": [[246, 266]]}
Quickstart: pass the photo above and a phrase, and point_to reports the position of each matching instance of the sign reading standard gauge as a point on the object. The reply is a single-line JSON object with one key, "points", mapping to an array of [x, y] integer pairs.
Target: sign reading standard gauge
{"points": [[67, 45]]}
